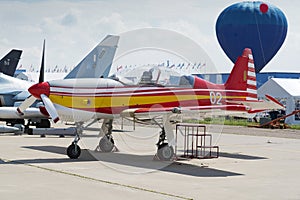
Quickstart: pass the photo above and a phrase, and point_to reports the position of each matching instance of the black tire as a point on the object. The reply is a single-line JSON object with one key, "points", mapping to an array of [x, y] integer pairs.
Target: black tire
{"points": [[106, 144], [73, 152], [165, 152]]}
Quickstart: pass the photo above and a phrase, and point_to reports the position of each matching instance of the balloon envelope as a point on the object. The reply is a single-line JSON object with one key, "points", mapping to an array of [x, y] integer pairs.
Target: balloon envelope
{"points": [[256, 25]]}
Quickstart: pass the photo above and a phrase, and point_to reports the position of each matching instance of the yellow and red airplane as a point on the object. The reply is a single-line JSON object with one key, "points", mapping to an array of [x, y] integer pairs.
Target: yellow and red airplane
{"points": [[80, 100]]}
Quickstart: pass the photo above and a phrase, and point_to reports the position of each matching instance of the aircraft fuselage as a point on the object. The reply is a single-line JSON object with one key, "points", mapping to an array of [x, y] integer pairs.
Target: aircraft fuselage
{"points": [[107, 98]]}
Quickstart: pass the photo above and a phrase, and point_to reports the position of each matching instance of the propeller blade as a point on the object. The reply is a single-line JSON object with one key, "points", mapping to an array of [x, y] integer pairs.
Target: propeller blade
{"points": [[25, 104], [50, 108], [41, 78]]}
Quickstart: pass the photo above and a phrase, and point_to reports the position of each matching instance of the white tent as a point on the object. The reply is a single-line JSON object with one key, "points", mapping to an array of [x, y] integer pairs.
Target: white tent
{"points": [[287, 91]]}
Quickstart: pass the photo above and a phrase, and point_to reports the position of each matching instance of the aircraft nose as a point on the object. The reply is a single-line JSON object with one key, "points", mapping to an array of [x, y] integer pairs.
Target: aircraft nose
{"points": [[40, 88]]}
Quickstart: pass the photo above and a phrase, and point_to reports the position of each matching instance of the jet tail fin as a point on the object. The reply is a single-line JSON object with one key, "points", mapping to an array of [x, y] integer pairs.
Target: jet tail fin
{"points": [[9, 63], [243, 76], [98, 62]]}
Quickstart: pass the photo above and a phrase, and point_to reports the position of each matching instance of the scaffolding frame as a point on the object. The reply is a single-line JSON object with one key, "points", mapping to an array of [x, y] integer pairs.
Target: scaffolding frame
{"points": [[201, 142]]}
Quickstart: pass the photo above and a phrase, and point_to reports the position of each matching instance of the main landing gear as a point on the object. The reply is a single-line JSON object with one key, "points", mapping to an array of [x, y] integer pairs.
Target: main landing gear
{"points": [[106, 143], [164, 151], [73, 151]]}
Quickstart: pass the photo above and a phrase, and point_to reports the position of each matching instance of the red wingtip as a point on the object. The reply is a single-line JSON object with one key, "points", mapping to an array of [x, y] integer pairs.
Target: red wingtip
{"points": [[56, 119], [19, 111]]}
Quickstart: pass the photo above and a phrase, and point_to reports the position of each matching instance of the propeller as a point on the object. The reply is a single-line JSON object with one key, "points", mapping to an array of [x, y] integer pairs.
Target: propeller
{"points": [[50, 108], [42, 70], [25, 104], [40, 90]]}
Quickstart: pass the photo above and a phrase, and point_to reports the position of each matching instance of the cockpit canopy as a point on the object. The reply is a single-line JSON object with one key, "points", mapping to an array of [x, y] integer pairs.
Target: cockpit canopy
{"points": [[154, 76]]}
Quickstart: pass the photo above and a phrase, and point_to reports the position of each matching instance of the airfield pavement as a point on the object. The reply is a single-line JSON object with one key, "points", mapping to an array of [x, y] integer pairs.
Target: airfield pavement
{"points": [[253, 164]]}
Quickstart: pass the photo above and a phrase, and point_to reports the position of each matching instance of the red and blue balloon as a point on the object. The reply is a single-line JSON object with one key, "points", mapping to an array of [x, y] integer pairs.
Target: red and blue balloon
{"points": [[252, 24]]}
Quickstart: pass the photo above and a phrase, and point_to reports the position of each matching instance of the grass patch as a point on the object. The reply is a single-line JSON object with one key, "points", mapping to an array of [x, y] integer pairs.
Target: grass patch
{"points": [[232, 121], [223, 120], [297, 127]]}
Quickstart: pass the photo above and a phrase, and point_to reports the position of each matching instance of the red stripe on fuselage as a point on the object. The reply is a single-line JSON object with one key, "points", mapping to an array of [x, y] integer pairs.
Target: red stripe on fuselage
{"points": [[193, 92], [116, 91], [135, 92]]}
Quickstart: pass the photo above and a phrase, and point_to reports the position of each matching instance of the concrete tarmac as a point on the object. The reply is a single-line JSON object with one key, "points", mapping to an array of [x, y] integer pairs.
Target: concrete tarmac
{"points": [[264, 166]]}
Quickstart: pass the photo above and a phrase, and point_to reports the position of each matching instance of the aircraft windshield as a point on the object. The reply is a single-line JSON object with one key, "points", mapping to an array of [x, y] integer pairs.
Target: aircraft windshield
{"points": [[153, 76]]}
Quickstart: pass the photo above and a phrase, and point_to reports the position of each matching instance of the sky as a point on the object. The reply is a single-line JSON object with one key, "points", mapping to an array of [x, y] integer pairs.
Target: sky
{"points": [[73, 28]]}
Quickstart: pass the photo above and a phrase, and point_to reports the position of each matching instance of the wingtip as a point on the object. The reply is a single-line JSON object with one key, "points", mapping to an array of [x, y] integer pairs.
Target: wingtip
{"points": [[19, 111], [56, 119]]}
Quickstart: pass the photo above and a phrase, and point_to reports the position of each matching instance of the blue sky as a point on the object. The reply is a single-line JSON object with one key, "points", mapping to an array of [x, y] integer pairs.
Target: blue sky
{"points": [[73, 28]]}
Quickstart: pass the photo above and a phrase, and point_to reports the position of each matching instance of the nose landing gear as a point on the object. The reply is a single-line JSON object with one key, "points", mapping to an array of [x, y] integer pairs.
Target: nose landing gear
{"points": [[74, 151]]}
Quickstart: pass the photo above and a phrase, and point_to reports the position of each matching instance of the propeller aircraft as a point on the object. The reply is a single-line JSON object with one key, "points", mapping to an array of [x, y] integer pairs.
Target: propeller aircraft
{"points": [[13, 90], [80, 100]]}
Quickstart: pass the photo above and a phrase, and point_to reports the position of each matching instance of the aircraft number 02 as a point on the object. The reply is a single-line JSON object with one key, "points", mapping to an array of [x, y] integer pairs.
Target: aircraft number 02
{"points": [[215, 97]]}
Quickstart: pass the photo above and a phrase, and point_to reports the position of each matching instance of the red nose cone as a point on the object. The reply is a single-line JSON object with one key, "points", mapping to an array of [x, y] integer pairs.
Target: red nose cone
{"points": [[40, 88]]}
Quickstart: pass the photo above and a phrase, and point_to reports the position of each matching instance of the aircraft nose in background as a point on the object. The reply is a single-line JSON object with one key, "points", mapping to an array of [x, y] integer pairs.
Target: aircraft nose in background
{"points": [[40, 88]]}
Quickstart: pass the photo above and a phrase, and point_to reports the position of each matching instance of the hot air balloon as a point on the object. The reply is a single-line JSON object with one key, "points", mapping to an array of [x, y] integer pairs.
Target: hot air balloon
{"points": [[256, 25]]}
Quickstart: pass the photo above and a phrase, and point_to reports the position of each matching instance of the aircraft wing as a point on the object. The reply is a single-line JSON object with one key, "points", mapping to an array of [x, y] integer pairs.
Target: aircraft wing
{"points": [[232, 108], [153, 112], [11, 113]]}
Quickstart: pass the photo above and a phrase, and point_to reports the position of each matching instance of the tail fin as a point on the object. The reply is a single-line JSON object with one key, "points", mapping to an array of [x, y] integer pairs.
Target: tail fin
{"points": [[98, 62], [243, 75], [8, 63]]}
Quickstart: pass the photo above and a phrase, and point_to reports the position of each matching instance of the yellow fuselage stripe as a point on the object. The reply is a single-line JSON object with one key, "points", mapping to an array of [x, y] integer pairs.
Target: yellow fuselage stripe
{"points": [[118, 101], [102, 102]]}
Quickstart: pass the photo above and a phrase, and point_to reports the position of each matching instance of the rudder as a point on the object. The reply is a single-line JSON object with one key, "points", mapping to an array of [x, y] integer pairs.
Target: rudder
{"points": [[243, 76], [9, 62], [98, 62]]}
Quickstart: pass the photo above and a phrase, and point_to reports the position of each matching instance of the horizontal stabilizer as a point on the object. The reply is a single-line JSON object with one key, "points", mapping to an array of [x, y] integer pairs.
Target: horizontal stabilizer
{"points": [[256, 106]]}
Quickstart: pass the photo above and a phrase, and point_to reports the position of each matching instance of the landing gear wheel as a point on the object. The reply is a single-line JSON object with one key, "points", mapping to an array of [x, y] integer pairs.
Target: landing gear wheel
{"points": [[165, 152], [73, 151], [106, 144]]}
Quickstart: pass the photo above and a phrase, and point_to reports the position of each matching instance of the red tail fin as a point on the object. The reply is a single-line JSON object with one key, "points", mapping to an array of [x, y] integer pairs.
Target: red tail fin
{"points": [[243, 76]]}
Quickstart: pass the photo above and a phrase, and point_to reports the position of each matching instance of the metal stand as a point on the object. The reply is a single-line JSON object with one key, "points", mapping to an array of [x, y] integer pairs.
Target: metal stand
{"points": [[195, 138]]}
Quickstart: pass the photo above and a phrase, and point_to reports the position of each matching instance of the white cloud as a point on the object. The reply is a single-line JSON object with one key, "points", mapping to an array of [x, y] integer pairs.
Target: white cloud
{"points": [[112, 23], [69, 20]]}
